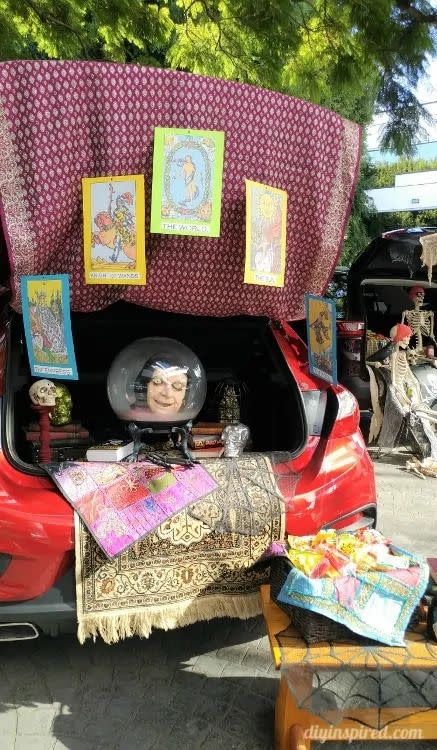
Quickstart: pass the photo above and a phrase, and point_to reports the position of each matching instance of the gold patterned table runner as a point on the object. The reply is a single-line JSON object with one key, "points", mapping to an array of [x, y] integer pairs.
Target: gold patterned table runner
{"points": [[185, 571]]}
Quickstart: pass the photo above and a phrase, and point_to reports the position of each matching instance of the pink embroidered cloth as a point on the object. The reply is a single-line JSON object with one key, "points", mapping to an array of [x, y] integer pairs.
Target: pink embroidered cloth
{"points": [[121, 503], [61, 121]]}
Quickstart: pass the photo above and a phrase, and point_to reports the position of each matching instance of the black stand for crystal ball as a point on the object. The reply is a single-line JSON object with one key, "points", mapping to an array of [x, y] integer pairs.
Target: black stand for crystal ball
{"points": [[178, 435]]}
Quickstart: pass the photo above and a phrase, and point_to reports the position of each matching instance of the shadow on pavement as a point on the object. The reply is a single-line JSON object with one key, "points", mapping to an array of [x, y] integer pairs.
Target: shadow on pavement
{"points": [[204, 686], [209, 686], [395, 458]]}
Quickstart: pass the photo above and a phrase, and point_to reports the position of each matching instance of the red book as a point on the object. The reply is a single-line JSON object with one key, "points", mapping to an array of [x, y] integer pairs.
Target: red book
{"points": [[55, 434], [204, 441], [71, 427]]}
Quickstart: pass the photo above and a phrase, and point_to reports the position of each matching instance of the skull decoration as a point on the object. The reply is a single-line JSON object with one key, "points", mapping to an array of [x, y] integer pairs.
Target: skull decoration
{"points": [[235, 437], [417, 295], [61, 414], [43, 393], [401, 335]]}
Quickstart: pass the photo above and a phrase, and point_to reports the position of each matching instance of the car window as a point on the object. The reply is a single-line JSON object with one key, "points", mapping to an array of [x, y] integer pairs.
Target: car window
{"points": [[384, 305]]}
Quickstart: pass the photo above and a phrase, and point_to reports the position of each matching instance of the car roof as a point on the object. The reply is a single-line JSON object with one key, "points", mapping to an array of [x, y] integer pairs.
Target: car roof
{"points": [[396, 253]]}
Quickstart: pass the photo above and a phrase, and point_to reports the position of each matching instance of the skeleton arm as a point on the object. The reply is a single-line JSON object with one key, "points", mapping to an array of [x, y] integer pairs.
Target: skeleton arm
{"points": [[431, 335], [428, 414]]}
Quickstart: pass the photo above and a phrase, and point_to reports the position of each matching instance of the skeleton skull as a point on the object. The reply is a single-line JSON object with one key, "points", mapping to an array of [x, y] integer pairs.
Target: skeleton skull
{"points": [[43, 393], [235, 438], [417, 296], [401, 335]]}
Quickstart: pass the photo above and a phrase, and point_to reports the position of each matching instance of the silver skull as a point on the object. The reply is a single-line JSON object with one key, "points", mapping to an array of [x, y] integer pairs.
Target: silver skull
{"points": [[235, 437], [43, 393]]}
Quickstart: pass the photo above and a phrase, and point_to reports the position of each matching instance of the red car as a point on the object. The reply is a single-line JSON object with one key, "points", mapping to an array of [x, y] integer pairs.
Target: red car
{"points": [[286, 406], [67, 120]]}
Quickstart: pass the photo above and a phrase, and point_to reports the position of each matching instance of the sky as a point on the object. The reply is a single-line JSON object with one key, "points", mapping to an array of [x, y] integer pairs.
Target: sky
{"points": [[426, 92]]}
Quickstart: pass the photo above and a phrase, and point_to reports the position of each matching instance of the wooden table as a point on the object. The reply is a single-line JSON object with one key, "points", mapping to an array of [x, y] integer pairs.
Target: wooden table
{"points": [[293, 726]]}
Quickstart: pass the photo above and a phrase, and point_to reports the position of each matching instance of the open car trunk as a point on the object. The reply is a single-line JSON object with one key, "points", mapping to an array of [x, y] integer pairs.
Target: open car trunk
{"points": [[196, 290], [241, 348], [379, 282]]}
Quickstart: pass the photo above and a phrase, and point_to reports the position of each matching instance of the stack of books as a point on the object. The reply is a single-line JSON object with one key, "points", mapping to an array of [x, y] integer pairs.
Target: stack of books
{"points": [[64, 433], [205, 440], [72, 436]]}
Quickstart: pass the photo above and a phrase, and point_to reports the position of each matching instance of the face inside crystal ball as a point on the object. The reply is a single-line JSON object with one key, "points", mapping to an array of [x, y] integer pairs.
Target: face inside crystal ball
{"points": [[156, 380]]}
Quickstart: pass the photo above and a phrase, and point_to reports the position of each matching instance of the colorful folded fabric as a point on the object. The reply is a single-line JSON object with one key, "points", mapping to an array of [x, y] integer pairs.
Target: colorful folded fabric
{"points": [[121, 503], [360, 580], [376, 604]]}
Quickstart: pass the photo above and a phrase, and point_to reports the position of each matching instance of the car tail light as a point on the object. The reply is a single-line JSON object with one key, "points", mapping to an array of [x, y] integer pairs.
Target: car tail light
{"points": [[348, 413], [315, 407], [350, 328]]}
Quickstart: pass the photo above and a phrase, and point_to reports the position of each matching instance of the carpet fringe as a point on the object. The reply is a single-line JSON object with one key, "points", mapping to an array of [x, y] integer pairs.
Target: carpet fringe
{"points": [[113, 627]]}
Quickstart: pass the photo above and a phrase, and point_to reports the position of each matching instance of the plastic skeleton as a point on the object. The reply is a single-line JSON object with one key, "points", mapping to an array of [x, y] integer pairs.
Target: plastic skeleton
{"points": [[420, 321], [429, 252], [405, 384]]}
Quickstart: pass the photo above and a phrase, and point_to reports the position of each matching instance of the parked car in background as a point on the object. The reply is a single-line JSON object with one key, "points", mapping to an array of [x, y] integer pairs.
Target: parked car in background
{"points": [[390, 263], [377, 294], [349, 337]]}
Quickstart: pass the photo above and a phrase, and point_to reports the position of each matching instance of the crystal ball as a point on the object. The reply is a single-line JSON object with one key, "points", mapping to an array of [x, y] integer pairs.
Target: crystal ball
{"points": [[156, 381]]}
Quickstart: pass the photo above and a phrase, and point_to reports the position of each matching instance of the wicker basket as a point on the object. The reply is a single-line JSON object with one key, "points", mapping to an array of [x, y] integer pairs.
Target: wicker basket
{"points": [[312, 626]]}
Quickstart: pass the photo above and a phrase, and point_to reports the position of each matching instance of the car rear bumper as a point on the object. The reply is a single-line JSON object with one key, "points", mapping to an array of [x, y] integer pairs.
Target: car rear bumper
{"points": [[342, 495], [339, 493], [52, 613]]}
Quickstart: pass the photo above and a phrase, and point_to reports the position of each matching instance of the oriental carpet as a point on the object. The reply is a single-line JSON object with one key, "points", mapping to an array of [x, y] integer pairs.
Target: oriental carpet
{"points": [[187, 569]]}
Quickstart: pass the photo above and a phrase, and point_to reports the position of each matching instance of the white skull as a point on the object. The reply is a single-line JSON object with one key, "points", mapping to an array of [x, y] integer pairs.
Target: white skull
{"points": [[235, 438], [43, 393]]}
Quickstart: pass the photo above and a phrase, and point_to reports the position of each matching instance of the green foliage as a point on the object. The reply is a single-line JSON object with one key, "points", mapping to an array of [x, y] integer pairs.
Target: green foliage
{"points": [[407, 219], [344, 55], [383, 175], [363, 222]]}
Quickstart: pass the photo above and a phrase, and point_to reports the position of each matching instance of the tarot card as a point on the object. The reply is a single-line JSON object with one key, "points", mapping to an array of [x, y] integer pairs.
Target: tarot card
{"points": [[266, 222], [113, 230], [47, 326], [321, 317], [187, 182]]}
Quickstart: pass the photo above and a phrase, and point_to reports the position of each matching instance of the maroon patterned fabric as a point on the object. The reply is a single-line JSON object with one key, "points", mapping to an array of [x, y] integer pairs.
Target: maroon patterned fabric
{"points": [[61, 121]]}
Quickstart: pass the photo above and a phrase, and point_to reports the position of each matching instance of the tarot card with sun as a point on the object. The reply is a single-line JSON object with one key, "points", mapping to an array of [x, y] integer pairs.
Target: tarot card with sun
{"points": [[266, 220]]}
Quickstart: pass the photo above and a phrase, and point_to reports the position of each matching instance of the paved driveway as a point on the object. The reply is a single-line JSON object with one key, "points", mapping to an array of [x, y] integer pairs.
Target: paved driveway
{"points": [[208, 686]]}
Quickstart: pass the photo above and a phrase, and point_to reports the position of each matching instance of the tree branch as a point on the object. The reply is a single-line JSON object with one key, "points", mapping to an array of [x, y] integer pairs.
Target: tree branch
{"points": [[49, 18], [410, 10]]}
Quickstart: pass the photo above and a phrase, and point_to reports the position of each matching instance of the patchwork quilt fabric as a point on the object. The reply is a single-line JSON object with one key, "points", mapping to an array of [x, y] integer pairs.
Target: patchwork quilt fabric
{"points": [[122, 502], [374, 604]]}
